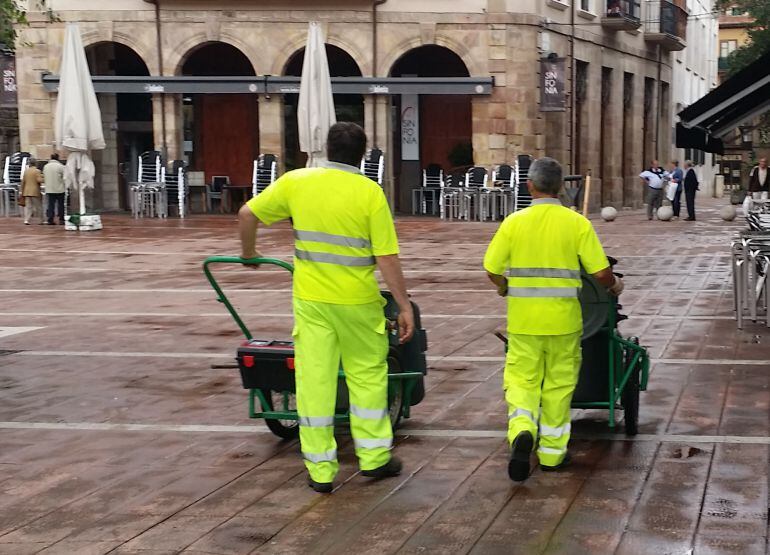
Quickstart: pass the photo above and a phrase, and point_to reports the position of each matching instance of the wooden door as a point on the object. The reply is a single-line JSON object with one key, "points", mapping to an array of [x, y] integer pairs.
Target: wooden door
{"points": [[229, 136], [445, 122]]}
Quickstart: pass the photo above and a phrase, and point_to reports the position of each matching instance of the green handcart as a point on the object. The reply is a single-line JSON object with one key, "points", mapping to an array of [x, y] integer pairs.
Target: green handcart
{"points": [[267, 366], [615, 369]]}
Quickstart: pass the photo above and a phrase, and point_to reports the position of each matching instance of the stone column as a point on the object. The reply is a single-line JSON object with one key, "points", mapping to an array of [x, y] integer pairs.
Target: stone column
{"points": [[174, 124], [369, 108], [271, 127]]}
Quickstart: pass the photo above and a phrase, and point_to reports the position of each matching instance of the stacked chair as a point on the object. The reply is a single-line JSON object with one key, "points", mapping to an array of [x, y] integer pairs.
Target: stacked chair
{"points": [[750, 253], [147, 194], [472, 194], [265, 172], [175, 187], [15, 166], [522, 198], [373, 165]]}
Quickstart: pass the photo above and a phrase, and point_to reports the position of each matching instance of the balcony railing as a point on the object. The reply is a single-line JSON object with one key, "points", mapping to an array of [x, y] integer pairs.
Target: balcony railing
{"points": [[667, 24], [622, 15]]}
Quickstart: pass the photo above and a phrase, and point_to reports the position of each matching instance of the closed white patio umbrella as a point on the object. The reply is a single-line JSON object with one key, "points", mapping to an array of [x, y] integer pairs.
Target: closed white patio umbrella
{"points": [[315, 114], [78, 126]]}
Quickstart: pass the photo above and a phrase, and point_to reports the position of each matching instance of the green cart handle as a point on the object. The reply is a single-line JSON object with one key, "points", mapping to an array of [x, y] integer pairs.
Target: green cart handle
{"points": [[221, 297]]}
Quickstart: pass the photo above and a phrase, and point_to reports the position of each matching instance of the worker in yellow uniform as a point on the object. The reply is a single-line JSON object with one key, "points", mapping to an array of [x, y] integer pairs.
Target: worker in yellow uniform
{"points": [[534, 260], [343, 229]]}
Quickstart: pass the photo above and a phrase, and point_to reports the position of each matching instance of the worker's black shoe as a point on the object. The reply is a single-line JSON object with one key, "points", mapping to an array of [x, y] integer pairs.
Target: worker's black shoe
{"points": [[561, 466], [521, 449], [320, 487], [391, 468]]}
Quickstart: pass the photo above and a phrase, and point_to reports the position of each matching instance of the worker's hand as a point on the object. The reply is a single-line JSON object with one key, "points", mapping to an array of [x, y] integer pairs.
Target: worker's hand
{"points": [[617, 287], [405, 324], [502, 289], [248, 256]]}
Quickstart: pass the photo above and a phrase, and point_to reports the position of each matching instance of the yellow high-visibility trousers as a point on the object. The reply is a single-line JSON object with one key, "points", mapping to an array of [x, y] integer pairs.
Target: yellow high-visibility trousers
{"points": [[541, 372], [324, 334]]}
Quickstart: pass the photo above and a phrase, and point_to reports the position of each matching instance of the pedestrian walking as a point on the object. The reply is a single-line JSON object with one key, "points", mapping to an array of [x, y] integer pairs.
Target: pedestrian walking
{"points": [[677, 177], [343, 229], [53, 176], [542, 249], [691, 186], [654, 187], [30, 190], [759, 184]]}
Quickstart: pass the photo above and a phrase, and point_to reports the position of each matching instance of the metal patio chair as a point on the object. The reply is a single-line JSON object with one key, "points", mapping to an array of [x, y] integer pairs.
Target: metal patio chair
{"points": [[175, 187], [215, 191], [522, 198]]}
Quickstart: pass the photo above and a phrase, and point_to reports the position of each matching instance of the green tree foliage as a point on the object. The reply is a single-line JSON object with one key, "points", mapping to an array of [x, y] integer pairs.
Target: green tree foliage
{"points": [[759, 32], [13, 14]]}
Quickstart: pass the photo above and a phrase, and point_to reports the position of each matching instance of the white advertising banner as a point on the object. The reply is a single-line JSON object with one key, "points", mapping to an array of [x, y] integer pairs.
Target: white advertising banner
{"points": [[410, 127]]}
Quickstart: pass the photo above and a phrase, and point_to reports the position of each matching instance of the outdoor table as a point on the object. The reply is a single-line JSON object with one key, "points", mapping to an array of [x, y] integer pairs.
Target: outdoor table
{"points": [[423, 195], [244, 192]]}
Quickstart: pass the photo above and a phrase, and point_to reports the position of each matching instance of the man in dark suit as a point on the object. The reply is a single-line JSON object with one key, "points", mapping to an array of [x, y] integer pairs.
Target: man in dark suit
{"points": [[690, 187]]}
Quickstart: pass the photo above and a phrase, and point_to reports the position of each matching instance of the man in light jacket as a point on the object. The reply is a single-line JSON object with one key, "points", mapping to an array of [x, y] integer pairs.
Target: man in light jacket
{"points": [[30, 190], [53, 175]]}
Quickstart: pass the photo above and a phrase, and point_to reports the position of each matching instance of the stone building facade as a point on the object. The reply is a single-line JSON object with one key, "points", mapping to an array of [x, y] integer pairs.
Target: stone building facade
{"points": [[617, 62]]}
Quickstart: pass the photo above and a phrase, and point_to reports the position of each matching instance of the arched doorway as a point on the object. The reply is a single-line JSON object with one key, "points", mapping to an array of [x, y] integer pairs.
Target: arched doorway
{"points": [[445, 122], [221, 131], [349, 107], [127, 121]]}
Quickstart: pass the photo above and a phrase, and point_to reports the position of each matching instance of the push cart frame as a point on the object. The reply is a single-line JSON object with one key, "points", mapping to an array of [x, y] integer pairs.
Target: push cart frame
{"points": [[407, 380]]}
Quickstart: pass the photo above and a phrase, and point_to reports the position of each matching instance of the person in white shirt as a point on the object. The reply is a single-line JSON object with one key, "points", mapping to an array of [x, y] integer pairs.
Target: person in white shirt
{"points": [[654, 183]]}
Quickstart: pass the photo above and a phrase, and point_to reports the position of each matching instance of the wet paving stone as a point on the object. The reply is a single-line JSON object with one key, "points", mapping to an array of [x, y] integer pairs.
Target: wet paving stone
{"points": [[127, 331]]}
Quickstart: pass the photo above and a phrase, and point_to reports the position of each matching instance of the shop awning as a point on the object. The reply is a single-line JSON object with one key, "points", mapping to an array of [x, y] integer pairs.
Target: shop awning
{"points": [[282, 85], [741, 98]]}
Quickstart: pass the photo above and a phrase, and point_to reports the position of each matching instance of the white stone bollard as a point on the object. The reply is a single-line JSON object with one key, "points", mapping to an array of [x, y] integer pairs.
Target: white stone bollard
{"points": [[609, 214], [665, 213]]}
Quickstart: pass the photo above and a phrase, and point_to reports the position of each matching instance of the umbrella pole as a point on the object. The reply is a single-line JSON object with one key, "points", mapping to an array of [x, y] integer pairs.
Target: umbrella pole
{"points": [[82, 200]]}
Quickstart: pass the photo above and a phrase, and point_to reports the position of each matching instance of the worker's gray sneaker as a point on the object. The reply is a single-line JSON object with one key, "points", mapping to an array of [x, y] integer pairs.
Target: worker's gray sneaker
{"points": [[390, 469], [320, 487], [521, 450]]}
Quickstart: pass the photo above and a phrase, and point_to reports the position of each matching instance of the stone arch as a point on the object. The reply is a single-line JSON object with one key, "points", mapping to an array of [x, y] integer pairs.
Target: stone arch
{"points": [[179, 55], [445, 41], [94, 37], [297, 43]]}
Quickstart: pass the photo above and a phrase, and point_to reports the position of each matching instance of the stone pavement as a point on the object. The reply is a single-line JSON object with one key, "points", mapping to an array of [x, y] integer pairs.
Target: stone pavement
{"points": [[117, 436]]}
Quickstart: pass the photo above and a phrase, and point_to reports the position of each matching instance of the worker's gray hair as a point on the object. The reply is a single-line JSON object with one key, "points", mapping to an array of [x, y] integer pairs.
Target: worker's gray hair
{"points": [[688, 163], [546, 175]]}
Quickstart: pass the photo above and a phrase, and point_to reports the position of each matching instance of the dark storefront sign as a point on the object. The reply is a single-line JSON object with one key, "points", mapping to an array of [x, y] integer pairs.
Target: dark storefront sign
{"points": [[552, 80], [8, 91], [282, 85]]}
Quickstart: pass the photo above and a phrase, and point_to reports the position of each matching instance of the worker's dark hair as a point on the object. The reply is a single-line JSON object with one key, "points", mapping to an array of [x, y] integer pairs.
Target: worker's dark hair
{"points": [[546, 175], [54, 156], [346, 143]]}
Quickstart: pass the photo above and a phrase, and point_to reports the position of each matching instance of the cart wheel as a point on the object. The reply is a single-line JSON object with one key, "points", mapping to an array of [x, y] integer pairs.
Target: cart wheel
{"points": [[630, 397], [395, 392], [286, 429]]}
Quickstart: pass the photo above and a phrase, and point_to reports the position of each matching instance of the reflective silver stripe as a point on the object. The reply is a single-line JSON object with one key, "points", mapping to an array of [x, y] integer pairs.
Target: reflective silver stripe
{"points": [[544, 273], [373, 443], [339, 240], [316, 421], [339, 259], [548, 431], [551, 451], [329, 456], [522, 412], [546, 292], [368, 414]]}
